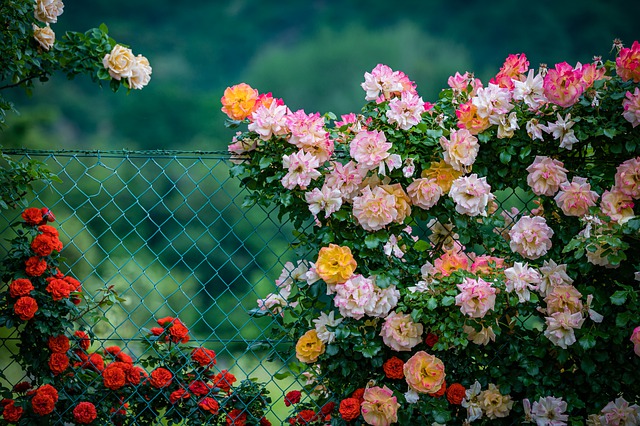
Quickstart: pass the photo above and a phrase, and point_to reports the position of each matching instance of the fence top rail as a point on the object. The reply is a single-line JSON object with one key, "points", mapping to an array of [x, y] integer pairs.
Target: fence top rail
{"points": [[122, 153]]}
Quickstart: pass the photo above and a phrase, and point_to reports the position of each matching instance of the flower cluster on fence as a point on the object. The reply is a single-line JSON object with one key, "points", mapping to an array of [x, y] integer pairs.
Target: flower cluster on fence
{"points": [[476, 257], [71, 380]]}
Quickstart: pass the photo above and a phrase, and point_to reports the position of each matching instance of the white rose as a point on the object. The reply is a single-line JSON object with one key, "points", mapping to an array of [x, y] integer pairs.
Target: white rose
{"points": [[119, 62], [47, 11], [44, 36], [140, 73]]}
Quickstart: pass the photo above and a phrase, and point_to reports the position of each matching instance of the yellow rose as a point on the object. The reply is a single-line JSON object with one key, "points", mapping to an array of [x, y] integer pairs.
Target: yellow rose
{"points": [[493, 403], [335, 264], [424, 373], [44, 36], [443, 173], [119, 62], [239, 101], [309, 347]]}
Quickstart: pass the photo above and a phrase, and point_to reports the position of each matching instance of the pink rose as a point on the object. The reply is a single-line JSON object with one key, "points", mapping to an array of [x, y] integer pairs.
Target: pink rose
{"points": [[400, 333], [545, 175], [563, 85], [635, 339], [627, 178], [576, 197], [476, 297], [530, 237], [374, 209], [369, 148], [628, 63]]}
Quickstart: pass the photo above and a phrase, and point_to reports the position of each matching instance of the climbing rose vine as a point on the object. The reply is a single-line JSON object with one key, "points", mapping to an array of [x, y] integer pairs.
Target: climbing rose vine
{"points": [[468, 260]]}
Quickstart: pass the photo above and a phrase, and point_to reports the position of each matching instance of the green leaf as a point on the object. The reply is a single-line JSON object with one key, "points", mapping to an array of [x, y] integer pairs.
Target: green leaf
{"points": [[432, 303], [505, 157], [588, 366], [448, 301], [587, 342], [611, 132], [265, 162], [619, 297]]}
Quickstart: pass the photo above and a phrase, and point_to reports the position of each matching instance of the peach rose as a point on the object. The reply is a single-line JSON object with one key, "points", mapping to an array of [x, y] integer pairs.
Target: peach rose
{"points": [[47, 11], [119, 62], [380, 407], [309, 347], [44, 36], [424, 373]]}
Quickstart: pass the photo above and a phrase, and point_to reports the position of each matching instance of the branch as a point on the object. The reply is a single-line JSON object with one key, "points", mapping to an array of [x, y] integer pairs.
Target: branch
{"points": [[24, 80]]}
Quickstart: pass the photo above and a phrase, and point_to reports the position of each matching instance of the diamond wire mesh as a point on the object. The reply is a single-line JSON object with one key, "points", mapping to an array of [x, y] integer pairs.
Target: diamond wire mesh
{"points": [[168, 230]]}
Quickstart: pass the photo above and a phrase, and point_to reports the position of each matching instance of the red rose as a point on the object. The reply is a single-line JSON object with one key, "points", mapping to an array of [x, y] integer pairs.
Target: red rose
{"points": [[306, 417], [441, 391], [165, 321], [25, 307], [45, 244], [113, 376], [58, 362], [34, 266], [85, 413], [44, 400], [204, 357], [59, 289], [393, 368], [210, 405], [32, 216], [292, 397], [73, 283], [349, 409], [265, 422], [49, 391], [161, 378], [21, 387], [431, 339], [236, 418], [94, 362], [198, 387], [118, 354], [134, 374], [358, 394], [83, 339], [328, 408], [178, 332], [11, 412], [178, 395], [47, 215], [224, 380], [48, 230], [59, 344], [20, 287], [455, 393]]}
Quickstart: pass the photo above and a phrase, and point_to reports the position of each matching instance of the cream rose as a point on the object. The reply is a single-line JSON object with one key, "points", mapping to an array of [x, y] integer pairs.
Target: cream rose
{"points": [[119, 62], [44, 36], [47, 11], [140, 73]]}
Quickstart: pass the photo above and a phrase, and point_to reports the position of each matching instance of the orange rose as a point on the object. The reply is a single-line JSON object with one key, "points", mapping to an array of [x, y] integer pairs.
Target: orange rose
{"points": [[239, 101], [335, 264]]}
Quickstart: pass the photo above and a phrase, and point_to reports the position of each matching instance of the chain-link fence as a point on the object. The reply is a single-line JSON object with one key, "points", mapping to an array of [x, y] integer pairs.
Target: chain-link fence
{"points": [[169, 232]]}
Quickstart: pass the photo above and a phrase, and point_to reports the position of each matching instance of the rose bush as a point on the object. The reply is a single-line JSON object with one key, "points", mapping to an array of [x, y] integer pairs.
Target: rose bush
{"points": [[487, 242], [70, 380]]}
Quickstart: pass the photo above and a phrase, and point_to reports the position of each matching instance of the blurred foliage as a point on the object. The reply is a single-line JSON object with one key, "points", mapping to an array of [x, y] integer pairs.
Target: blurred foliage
{"points": [[309, 52]]}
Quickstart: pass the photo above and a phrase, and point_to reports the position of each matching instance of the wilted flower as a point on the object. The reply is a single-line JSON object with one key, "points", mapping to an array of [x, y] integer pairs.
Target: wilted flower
{"points": [[549, 411]]}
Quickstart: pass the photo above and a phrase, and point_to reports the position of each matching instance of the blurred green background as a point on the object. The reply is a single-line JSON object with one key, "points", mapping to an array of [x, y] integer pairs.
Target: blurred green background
{"points": [[312, 53]]}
